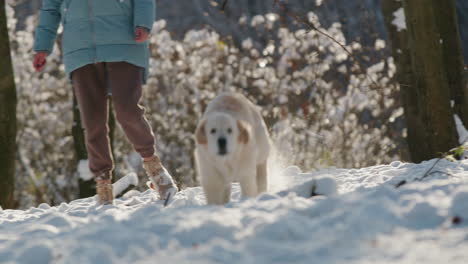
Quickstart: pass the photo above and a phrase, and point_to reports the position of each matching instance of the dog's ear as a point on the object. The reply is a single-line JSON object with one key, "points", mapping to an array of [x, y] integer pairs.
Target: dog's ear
{"points": [[244, 131], [200, 134]]}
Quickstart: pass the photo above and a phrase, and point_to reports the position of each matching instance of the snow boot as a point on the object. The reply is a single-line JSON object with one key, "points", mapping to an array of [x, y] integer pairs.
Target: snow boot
{"points": [[160, 179], [104, 190]]}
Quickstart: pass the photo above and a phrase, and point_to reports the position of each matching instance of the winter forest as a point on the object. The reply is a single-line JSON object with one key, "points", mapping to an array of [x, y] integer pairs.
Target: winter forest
{"points": [[365, 102]]}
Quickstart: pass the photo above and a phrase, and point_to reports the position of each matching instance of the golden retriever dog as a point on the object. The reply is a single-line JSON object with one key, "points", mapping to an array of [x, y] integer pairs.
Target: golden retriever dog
{"points": [[232, 144]]}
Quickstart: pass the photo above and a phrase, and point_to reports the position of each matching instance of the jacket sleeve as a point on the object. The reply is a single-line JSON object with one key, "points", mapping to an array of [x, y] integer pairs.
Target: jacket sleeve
{"points": [[49, 20], [144, 13]]}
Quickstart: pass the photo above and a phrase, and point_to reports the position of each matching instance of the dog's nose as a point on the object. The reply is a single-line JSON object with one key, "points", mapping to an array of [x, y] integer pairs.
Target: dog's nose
{"points": [[222, 146]]}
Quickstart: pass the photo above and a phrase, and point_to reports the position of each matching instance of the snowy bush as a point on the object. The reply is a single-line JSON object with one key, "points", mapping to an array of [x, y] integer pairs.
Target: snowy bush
{"points": [[323, 108], [45, 169], [315, 100]]}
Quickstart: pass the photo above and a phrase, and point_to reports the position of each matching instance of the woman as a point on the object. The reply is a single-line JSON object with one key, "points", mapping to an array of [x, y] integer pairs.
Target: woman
{"points": [[105, 51]]}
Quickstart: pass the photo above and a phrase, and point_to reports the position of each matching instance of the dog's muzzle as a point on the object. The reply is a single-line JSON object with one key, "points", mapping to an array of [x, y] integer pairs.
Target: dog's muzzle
{"points": [[222, 146]]}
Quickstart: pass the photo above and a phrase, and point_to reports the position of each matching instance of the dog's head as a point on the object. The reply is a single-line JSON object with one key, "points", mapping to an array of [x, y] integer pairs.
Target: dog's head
{"points": [[222, 134]]}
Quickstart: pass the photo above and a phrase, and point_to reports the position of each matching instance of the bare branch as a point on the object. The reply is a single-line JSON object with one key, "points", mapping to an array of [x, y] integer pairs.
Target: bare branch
{"points": [[311, 27], [314, 28], [223, 7]]}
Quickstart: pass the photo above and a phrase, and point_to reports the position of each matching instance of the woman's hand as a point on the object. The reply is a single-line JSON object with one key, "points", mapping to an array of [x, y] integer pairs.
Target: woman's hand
{"points": [[40, 60], [141, 34]]}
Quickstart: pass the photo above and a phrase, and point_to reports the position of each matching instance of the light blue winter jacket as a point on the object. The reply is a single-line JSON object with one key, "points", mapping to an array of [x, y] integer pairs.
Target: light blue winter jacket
{"points": [[95, 30]]}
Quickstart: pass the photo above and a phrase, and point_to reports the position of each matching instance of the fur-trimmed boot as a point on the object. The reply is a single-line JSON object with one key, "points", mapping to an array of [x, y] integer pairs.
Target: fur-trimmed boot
{"points": [[160, 179], [104, 190]]}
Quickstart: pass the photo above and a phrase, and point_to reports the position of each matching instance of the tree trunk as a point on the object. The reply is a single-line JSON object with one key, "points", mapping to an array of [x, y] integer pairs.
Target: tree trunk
{"points": [[408, 93], [453, 55], [111, 123], [429, 81], [86, 188], [7, 116]]}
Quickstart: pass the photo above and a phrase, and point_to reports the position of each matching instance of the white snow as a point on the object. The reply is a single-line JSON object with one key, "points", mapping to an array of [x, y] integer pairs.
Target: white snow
{"points": [[83, 170], [379, 44], [399, 21], [461, 130], [124, 182], [363, 218], [318, 185]]}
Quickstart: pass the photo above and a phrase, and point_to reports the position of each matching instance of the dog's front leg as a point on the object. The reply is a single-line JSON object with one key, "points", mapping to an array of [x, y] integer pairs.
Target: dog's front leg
{"points": [[212, 182], [214, 186], [248, 180], [227, 193], [262, 179]]}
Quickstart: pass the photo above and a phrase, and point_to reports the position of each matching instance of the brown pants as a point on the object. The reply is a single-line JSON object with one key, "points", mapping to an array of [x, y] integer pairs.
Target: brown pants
{"points": [[92, 84]]}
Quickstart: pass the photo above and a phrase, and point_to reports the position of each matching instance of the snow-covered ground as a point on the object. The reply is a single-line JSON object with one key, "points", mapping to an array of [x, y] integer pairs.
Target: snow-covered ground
{"points": [[369, 220]]}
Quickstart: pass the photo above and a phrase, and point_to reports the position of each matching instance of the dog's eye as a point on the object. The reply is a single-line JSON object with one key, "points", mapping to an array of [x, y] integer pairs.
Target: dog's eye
{"points": [[213, 131], [229, 130]]}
